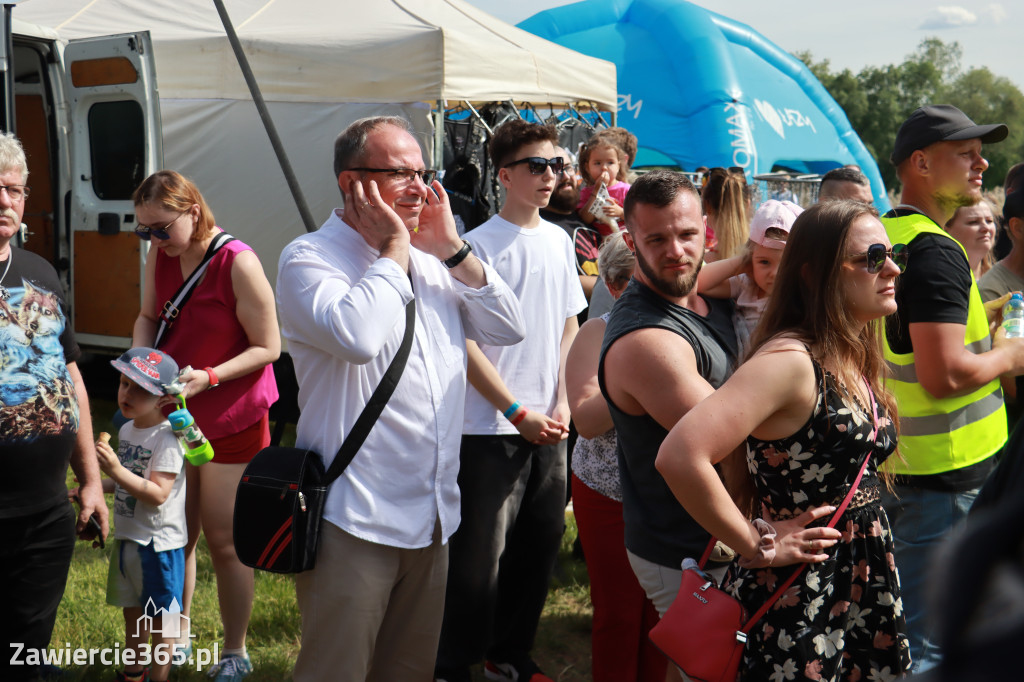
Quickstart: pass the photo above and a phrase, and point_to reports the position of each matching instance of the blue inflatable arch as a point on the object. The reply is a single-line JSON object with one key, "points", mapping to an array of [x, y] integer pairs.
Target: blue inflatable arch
{"points": [[700, 89]]}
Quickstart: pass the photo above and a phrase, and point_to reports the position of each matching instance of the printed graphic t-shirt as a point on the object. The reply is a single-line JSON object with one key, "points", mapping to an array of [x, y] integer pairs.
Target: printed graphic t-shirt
{"points": [[38, 405], [143, 451]]}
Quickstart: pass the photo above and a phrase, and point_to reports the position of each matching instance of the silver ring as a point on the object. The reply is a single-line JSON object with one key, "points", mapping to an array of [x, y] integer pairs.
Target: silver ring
{"points": [[810, 546], [366, 203]]}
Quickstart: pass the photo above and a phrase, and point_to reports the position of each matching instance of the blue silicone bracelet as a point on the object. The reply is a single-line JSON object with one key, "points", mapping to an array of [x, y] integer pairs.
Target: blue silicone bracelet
{"points": [[512, 409]]}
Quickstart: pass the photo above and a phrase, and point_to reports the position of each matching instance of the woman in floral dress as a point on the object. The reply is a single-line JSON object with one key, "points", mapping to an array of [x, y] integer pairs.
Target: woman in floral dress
{"points": [[811, 406]]}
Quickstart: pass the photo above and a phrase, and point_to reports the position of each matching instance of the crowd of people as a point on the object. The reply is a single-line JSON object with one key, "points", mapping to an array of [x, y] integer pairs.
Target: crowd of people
{"points": [[704, 375]]}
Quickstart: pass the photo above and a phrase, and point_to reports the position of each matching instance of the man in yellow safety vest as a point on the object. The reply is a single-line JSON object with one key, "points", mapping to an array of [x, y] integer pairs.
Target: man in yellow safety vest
{"points": [[944, 366]]}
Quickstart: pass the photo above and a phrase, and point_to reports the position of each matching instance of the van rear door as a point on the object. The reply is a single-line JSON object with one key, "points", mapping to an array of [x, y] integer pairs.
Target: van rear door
{"points": [[115, 144]]}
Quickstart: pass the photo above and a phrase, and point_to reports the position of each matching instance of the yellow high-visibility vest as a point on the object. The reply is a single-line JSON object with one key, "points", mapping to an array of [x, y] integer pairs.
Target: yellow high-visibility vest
{"points": [[943, 434]]}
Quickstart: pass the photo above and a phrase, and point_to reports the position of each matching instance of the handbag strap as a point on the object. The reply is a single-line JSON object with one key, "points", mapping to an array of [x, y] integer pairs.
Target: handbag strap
{"points": [[368, 417], [831, 524], [173, 307]]}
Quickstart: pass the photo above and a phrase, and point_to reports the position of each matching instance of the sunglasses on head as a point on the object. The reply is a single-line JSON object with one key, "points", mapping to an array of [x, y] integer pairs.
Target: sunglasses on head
{"points": [[537, 164], [876, 255], [144, 232]]}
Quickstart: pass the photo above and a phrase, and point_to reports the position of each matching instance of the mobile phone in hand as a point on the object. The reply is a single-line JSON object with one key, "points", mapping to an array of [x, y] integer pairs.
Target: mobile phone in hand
{"points": [[93, 525]]}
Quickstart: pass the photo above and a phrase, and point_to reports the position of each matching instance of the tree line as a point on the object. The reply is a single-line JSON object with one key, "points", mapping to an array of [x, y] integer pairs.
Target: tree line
{"points": [[878, 99]]}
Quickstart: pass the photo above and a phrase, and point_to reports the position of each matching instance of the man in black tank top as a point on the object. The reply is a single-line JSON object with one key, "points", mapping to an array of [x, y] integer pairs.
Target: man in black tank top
{"points": [[665, 349]]}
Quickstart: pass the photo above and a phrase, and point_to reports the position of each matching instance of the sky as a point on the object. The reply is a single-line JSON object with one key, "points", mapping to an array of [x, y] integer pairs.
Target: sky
{"points": [[853, 35]]}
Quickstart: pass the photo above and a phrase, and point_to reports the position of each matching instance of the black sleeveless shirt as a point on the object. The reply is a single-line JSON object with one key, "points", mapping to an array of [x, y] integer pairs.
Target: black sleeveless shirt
{"points": [[658, 529]]}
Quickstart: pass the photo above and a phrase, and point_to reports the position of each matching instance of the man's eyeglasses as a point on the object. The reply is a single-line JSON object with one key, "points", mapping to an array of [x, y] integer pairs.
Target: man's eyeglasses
{"points": [[16, 192], [537, 164], [145, 231], [406, 174], [876, 255]]}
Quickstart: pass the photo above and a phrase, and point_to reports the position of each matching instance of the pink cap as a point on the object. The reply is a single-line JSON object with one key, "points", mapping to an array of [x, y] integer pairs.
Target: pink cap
{"points": [[772, 213]]}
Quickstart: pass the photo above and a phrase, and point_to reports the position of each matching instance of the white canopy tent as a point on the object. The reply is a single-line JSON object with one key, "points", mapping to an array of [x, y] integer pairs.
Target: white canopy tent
{"points": [[370, 51], [320, 65]]}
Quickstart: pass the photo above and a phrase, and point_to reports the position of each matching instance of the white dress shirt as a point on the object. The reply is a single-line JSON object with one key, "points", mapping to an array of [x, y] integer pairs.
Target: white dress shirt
{"points": [[342, 311]]}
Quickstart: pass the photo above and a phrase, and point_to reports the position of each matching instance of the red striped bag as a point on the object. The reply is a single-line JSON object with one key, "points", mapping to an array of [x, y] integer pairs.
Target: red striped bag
{"points": [[278, 508]]}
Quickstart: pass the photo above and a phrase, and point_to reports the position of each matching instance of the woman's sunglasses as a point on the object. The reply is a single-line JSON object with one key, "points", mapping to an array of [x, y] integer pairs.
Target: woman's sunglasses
{"points": [[537, 164], [145, 231], [876, 255]]}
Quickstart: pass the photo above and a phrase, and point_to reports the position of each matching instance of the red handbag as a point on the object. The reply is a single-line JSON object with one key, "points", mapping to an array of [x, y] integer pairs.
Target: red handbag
{"points": [[705, 629]]}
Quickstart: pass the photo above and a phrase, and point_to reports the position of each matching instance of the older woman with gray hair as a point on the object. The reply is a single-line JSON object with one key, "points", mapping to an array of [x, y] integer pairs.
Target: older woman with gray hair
{"points": [[622, 613]]}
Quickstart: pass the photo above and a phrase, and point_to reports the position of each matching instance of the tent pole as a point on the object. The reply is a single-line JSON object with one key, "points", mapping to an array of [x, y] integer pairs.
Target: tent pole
{"points": [[268, 123], [438, 160]]}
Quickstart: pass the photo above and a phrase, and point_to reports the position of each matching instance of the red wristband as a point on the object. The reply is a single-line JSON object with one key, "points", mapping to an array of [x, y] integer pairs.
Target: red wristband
{"points": [[214, 381], [519, 417]]}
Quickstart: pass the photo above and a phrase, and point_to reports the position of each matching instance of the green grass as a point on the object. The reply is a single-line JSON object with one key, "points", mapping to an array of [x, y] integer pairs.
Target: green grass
{"points": [[563, 640], [85, 620]]}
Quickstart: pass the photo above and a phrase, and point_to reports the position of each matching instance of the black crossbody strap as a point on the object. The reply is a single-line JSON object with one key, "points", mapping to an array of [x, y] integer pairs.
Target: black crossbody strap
{"points": [[173, 307], [368, 417]]}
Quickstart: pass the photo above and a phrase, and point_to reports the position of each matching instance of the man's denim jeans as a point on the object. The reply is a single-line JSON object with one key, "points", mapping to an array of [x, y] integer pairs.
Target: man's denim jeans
{"points": [[920, 520]]}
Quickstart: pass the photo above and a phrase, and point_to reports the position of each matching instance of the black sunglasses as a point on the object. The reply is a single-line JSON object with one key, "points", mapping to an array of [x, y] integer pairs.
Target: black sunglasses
{"points": [[145, 231], [537, 164], [876, 255], [406, 174]]}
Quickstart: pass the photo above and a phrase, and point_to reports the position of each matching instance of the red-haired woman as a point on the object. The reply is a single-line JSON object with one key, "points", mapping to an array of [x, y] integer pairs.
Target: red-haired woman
{"points": [[227, 331]]}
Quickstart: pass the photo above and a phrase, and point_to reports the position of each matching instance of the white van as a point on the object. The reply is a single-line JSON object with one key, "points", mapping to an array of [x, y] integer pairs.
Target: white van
{"points": [[88, 115]]}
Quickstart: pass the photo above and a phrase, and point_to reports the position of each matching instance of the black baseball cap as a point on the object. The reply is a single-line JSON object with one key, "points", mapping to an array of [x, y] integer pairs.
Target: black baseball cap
{"points": [[938, 122]]}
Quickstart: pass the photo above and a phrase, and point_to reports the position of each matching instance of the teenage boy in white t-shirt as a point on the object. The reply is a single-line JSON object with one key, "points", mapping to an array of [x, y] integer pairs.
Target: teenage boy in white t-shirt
{"points": [[147, 564], [513, 466]]}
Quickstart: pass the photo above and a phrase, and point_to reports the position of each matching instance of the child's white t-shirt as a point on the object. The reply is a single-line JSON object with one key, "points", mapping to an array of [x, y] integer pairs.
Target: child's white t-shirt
{"points": [[539, 265], [743, 290], [143, 451]]}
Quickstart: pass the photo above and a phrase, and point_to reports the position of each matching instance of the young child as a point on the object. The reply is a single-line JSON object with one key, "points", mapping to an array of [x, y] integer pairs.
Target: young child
{"points": [[749, 277], [147, 565], [602, 165]]}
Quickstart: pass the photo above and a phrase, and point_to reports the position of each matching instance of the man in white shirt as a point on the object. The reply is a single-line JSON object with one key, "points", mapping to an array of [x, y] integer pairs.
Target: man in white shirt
{"points": [[513, 476], [371, 609]]}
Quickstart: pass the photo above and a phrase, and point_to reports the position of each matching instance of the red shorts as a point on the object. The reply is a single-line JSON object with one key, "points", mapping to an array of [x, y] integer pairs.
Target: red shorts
{"points": [[241, 447]]}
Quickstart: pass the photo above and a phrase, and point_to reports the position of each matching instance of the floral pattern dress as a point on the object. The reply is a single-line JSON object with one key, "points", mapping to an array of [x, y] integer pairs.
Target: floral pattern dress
{"points": [[841, 619]]}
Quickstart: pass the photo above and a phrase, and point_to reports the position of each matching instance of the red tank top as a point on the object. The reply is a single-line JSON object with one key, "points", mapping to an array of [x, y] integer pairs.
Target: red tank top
{"points": [[206, 333]]}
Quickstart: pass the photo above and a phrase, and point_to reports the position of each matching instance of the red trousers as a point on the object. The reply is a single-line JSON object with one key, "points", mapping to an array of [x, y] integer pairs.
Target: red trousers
{"points": [[621, 651]]}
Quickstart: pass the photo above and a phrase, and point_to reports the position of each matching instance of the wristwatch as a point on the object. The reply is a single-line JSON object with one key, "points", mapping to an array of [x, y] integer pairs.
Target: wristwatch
{"points": [[458, 257]]}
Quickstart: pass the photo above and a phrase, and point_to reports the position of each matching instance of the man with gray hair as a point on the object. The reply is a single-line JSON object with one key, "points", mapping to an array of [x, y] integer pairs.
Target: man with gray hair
{"points": [[44, 425], [372, 606], [845, 183]]}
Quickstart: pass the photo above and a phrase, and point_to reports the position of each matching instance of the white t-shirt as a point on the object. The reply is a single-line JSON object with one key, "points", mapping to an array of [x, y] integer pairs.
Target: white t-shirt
{"points": [[539, 265], [749, 308], [143, 451]]}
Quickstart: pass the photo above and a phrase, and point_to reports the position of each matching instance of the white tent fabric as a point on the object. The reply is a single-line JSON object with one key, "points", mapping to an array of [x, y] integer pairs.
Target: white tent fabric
{"points": [[369, 51], [320, 64]]}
